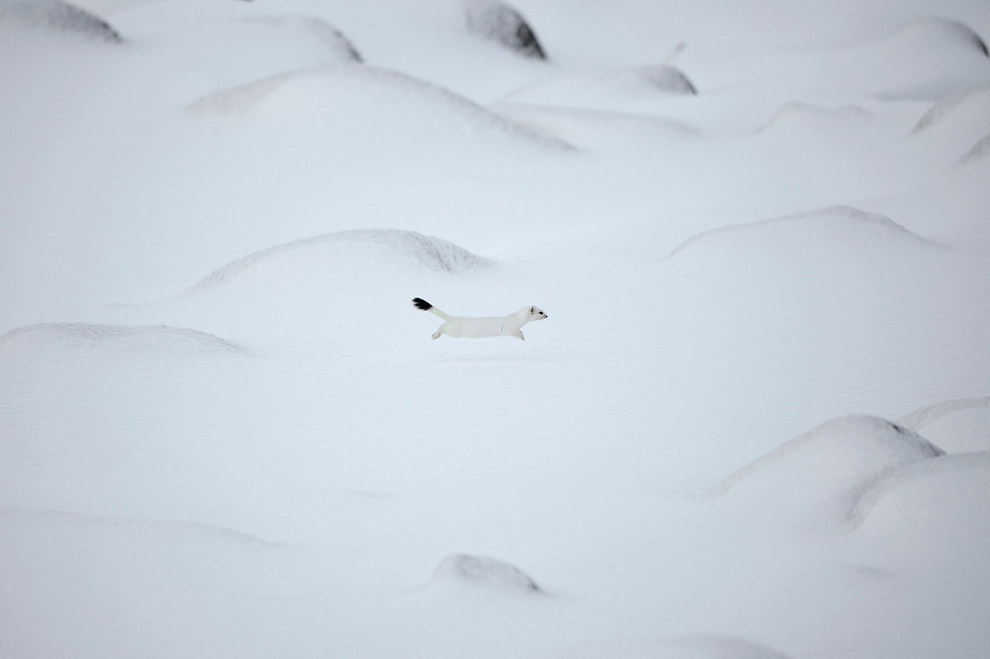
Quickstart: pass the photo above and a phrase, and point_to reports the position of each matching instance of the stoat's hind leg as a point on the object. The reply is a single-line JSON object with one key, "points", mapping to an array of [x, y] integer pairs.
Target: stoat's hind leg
{"points": [[436, 335]]}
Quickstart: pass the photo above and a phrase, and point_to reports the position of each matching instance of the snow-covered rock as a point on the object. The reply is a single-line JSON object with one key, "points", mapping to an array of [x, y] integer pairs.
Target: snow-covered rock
{"points": [[938, 57], [56, 16], [595, 129], [367, 250], [664, 78], [978, 151], [815, 117], [969, 109], [482, 572], [337, 45], [615, 90], [957, 426], [822, 473], [366, 101], [48, 337], [933, 509], [844, 227], [957, 124], [694, 646]]}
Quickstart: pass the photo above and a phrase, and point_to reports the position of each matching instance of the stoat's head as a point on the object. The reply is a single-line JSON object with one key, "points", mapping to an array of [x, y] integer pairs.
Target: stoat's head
{"points": [[536, 313]]}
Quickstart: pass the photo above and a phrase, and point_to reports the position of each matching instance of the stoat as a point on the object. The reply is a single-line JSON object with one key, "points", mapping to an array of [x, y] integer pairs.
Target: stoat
{"points": [[478, 328]]}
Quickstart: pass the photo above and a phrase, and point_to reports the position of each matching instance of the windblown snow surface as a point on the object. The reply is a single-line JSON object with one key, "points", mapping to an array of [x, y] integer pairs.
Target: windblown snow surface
{"points": [[754, 425]]}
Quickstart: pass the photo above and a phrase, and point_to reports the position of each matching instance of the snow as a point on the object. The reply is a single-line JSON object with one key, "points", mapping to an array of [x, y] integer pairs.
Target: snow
{"points": [[755, 424]]}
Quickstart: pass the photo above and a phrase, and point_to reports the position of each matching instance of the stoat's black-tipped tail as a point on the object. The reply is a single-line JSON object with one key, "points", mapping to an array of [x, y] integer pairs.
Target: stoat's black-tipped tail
{"points": [[420, 303]]}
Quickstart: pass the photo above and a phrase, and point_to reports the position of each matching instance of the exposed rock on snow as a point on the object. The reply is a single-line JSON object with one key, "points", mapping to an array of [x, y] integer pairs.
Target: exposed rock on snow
{"points": [[957, 426], [338, 46], [498, 22], [934, 498], [430, 252], [827, 467], [48, 336], [55, 15], [482, 572], [832, 220], [371, 98]]}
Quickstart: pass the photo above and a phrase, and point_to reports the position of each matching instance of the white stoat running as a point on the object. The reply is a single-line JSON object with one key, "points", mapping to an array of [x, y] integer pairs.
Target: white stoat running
{"points": [[477, 328]]}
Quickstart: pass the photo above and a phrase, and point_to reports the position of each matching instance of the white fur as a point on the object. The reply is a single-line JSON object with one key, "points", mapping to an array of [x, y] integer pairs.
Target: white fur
{"points": [[479, 328]]}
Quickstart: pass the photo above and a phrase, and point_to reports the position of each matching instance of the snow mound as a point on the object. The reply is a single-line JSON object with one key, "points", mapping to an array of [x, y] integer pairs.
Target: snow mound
{"points": [[944, 32], [366, 100], [825, 470], [958, 426], [945, 498], [971, 107], [345, 249], [58, 16], [937, 57], [979, 151], [596, 128], [813, 116], [957, 122], [482, 572], [612, 90], [693, 646], [337, 45], [847, 225], [498, 22], [68, 336], [665, 78]]}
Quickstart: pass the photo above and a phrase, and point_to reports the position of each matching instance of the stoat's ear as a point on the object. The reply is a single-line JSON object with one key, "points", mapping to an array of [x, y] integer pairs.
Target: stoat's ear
{"points": [[532, 309]]}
